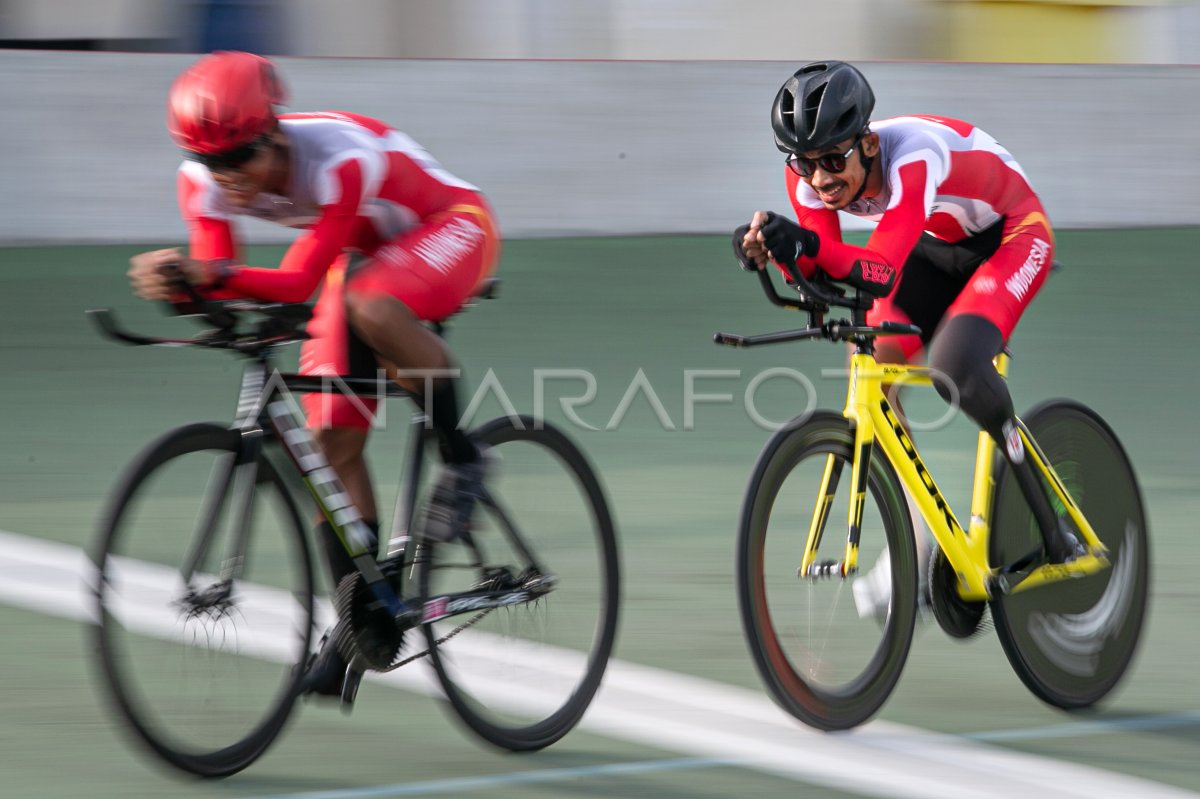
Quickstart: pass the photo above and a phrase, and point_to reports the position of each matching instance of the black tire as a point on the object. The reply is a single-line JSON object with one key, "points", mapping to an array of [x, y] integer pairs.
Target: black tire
{"points": [[521, 677], [819, 660], [205, 685], [1050, 633]]}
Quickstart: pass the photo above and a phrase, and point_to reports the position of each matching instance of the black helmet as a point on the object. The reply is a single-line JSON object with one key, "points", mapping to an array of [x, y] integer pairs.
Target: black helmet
{"points": [[824, 103]]}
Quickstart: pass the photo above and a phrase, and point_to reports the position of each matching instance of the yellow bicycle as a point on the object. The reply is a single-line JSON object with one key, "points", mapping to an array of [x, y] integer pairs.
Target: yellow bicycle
{"points": [[1069, 630]]}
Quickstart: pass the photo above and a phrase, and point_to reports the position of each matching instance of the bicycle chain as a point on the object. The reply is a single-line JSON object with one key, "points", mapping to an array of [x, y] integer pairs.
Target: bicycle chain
{"points": [[444, 638]]}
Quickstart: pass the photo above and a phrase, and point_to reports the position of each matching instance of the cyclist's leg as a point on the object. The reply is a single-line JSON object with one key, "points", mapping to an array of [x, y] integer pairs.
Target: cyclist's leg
{"points": [[995, 294], [962, 352], [977, 324], [426, 274], [341, 425], [921, 298], [376, 308]]}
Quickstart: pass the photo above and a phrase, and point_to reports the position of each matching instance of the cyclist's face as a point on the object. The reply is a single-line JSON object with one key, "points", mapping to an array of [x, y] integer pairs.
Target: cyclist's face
{"points": [[837, 188], [243, 182]]}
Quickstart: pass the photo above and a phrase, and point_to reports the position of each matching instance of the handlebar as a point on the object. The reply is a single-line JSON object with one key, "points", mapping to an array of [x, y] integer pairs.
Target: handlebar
{"points": [[817, 297], [245, 326], [819, 293], [276, 324], [839, 330]]}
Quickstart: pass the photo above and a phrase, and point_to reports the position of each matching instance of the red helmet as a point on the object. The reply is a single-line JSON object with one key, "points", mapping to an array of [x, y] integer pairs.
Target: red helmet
{"points": [[223, 101]]}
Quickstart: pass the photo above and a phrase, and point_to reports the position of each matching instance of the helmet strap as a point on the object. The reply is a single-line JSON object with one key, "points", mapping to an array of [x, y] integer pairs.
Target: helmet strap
{"points": [[867, 164]]}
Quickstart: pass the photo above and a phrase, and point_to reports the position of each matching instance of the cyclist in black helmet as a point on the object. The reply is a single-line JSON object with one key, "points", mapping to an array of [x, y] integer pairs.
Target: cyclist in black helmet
{"points": [[961, 246]]}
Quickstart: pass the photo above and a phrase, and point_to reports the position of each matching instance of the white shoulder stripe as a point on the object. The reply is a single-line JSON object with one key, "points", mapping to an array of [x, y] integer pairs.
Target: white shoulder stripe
{"points": [[206, 200], [972, 215], [327, 188], [937, 165]]}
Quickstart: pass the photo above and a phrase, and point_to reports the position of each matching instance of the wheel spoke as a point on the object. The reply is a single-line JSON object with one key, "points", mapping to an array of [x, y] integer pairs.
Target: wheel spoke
{"points": [[522, 675], [820, 659]]}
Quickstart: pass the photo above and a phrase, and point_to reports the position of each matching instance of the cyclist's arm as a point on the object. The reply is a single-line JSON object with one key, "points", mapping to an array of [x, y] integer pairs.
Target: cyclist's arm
{"points": [[303, 266], [896, 234], [210, 233], [814, 216], [311, 255]]}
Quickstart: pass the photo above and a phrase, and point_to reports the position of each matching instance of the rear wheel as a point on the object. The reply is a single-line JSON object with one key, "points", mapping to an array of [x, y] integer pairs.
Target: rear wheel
{"points": [[522, 676], [1071, 641], [820, 660], [201, 638]]}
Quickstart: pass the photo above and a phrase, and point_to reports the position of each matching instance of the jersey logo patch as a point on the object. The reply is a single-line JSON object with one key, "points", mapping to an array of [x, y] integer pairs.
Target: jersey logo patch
{"points": [[1020, 282], [875, 272]]}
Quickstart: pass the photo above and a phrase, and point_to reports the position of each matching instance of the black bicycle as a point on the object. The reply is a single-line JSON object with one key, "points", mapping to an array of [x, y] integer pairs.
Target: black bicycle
{"points": [[205, 590]]}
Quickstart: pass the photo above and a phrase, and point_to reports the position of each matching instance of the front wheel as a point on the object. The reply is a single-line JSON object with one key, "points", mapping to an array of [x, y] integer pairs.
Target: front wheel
{"points": [[521, 676], [1071, 641], [203, 621], [821, 660]]}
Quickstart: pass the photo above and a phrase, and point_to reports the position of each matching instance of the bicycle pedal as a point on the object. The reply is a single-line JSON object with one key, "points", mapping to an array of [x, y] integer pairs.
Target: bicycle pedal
{"points": [[350, 686]]}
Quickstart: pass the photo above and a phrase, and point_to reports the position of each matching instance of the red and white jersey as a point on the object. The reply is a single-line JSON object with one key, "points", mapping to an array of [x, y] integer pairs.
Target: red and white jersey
{"points": [[942, 176], [355, 184]]}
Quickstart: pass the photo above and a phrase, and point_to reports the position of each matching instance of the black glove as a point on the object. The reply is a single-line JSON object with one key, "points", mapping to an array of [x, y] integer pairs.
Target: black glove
{"points": [[787, 241], [745, 261]]}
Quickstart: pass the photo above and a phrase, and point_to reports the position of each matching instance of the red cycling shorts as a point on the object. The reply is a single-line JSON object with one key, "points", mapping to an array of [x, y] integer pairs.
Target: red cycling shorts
{"points": [[433, 269], [999, 289]]}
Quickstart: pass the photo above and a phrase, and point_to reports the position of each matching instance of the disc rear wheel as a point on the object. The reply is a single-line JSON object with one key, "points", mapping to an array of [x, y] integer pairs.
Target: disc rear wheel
{"points": [[1071, 641]]}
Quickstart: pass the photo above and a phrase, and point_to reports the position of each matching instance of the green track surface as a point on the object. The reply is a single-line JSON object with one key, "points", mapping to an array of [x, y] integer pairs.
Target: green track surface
{"points": [[1116, 329]]}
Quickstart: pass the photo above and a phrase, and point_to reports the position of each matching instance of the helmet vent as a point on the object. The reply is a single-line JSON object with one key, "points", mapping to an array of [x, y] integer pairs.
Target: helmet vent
{"points": [[812, 104], [847, 120]]}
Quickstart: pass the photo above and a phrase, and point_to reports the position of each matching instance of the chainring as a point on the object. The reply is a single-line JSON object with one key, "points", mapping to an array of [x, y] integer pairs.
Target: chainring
{"points": [[957, 617], [375, 638]]}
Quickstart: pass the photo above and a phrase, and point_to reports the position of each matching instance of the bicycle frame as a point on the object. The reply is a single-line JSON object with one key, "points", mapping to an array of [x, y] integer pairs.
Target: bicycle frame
{"points": [[267, 410], [876, 423]]}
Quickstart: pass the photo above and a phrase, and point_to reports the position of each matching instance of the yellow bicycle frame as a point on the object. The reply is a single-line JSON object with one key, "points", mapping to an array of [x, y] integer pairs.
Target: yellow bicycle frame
{"points": [[876, 423]]}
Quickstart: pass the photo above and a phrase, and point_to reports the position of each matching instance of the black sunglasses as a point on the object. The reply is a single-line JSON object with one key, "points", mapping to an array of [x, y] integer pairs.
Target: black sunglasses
{"points": [[229, 160], [833, 163]]}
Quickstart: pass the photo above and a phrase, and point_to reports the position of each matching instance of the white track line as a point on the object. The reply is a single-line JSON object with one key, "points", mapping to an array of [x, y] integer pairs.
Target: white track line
{"points": [[679, 713]]}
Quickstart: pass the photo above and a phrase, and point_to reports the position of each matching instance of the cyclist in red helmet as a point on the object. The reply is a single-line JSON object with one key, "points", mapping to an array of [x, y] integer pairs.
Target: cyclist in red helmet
{"points": [[961, 246], [223, 104], [391, 239]]}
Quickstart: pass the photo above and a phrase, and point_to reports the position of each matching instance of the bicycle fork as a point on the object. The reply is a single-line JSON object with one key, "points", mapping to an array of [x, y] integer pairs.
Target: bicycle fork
{"points": [[233, 475]]}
